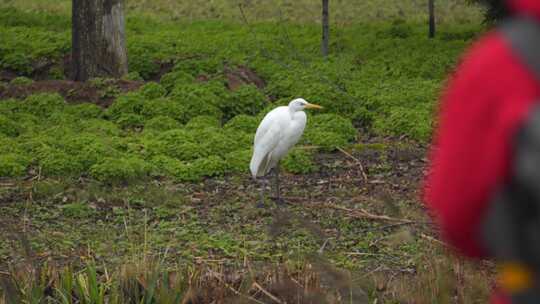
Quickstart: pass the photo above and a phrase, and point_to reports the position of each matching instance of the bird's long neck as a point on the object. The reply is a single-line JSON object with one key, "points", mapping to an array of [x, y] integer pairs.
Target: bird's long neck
{"points": [[292, 112]]}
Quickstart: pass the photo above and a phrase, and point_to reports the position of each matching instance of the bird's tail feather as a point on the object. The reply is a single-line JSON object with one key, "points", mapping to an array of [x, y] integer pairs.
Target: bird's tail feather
{"points": [[258, 165]]}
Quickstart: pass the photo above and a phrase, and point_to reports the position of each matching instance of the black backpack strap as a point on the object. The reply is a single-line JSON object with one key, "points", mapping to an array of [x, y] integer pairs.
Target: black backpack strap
{"points": [[523, 34], [511, 225]]}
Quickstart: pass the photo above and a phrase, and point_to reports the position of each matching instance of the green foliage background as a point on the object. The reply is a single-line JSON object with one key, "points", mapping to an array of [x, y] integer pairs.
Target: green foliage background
{"points": [[381, 79]]}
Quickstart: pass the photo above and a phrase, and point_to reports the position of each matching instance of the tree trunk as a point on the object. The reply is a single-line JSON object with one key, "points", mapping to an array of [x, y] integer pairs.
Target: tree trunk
{"points": [[98, 39], [325, 28], [431, 5]]}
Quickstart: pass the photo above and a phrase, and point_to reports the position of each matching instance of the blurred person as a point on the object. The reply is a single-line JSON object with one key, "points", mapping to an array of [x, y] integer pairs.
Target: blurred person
{"points": [[484, 175]]}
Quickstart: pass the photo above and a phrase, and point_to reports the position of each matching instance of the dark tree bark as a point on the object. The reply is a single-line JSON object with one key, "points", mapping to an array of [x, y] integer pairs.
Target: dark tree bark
{"points": [[98, 39], [325, 28], [431, 6]]}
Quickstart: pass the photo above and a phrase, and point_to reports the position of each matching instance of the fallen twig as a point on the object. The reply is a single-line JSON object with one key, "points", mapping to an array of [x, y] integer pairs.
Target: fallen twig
{"points": [[432, 239], [361, 213], [268, 294], [364, 254], [362, 171], [5, 273], [321, 250], [236, 292], [203, 260], [388, 226]]}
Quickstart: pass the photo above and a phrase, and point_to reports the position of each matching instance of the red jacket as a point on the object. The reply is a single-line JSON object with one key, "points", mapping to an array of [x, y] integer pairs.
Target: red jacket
{"points": [[487, 98]]}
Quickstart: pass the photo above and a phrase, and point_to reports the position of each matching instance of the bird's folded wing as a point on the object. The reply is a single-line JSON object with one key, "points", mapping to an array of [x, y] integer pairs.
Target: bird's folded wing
{"points": [[265, 142]]}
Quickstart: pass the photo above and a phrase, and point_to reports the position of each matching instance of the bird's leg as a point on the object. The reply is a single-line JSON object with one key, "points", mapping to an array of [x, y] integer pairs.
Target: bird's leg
{"points": [[276, 182], [260, 204], [278, 198]]}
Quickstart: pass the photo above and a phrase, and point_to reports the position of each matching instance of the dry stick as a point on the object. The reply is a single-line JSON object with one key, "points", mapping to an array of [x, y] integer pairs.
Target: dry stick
{"points": [[234, 290], [321, 250], [434, 240], [361, 213], [364, 175], [268, 294], [364, 254], [203, 260], [387, 227], [259, 287], [5, 273], [379, 268]]}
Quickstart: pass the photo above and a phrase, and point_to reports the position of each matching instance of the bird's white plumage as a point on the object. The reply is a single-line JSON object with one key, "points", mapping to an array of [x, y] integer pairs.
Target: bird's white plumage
{"points": [[278, 132]]}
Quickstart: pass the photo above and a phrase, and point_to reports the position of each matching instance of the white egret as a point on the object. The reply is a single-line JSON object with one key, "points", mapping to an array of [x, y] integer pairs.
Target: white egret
{"points": [[278, 132]]}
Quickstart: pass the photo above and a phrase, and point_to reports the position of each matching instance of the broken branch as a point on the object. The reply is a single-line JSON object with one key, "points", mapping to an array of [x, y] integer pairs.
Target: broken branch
{"points": [[358, 162]]}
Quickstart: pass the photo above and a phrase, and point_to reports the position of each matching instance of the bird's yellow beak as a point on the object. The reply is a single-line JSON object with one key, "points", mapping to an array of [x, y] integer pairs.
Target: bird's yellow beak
{"points": [[313, 106]]}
